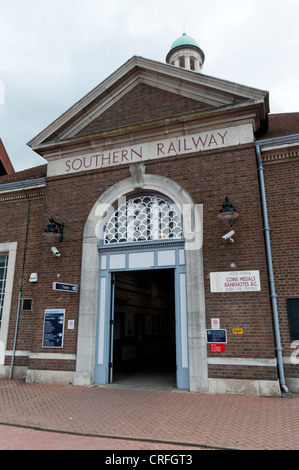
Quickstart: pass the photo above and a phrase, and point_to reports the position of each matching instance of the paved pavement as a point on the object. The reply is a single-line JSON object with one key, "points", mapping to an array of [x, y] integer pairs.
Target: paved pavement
{"points": [[40, 416]]}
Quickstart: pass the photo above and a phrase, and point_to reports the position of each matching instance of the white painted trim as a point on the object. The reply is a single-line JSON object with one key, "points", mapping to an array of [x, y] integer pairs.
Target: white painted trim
{"points": [[18, 353], [235, 361], [11, 249], [166, 258], [245, 387], [56, 356], [144, 260], [117, 261], [26, 188], [102, 315], [50, 377], [288, 359], [183, 317]]}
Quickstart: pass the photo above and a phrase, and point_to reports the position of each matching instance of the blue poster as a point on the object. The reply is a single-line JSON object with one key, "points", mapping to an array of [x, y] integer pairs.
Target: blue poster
{"points": [[53, 328]]}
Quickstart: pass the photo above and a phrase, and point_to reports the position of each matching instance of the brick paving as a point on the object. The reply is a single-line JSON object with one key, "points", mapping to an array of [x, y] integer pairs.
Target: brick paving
{"points": [[115, 418], [19, 438]]}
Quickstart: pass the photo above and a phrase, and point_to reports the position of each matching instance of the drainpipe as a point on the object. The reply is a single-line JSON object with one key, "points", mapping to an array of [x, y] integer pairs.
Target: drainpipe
{"points": [[20, 291], [271, 274]]}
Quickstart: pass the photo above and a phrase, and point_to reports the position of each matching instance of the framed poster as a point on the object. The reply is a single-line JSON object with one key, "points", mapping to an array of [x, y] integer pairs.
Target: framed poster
{"points": [[53, 328], [216, 336]]}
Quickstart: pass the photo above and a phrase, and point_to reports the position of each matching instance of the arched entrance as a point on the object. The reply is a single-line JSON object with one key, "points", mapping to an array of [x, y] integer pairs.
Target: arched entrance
{"points": [[94, 343], [143, 312]]}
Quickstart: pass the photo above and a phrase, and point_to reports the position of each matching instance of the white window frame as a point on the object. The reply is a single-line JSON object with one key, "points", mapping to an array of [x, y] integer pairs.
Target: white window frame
{"points": [[3, 280], [11, 250]]}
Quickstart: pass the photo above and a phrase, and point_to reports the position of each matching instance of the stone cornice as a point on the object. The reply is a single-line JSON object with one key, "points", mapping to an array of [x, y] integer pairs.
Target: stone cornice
{"points": [[22, 190], [280, 154]]}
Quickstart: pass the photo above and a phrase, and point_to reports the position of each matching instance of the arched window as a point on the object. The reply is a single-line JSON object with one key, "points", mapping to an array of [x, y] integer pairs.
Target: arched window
{"points": [[182, 62], [144, 218]]}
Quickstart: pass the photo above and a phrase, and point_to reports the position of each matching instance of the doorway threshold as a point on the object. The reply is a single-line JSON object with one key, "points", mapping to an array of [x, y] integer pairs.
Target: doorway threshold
{"points": [[143, 382]]}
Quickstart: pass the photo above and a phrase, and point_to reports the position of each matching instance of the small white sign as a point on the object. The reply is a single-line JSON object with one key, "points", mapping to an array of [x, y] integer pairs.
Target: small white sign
{"points": [[235, 281], [71, 324], [215, 323], [33, 277]]}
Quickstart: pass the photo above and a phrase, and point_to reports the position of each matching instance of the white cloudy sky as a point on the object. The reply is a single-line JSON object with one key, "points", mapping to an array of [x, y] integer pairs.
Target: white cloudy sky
{"points": [[53, 52]]}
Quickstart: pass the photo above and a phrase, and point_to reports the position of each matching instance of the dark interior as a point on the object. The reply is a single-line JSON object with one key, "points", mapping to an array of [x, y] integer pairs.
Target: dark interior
{"points": [[144, 325]]}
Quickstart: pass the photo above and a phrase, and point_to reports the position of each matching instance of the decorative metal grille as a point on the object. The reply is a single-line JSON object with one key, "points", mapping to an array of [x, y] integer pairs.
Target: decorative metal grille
{"points": [[3, 272], [144, 218]]}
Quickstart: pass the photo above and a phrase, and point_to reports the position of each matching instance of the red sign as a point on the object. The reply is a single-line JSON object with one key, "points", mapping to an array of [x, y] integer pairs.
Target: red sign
{"points": [[217, 348]]}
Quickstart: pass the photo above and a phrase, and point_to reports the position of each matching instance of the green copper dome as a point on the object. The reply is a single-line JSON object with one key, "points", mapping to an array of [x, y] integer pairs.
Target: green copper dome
{"points": [[184, 40]]}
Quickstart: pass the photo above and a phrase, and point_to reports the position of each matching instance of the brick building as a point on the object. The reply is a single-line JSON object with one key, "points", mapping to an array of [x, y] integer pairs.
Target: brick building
{"points": [[143, 245]]}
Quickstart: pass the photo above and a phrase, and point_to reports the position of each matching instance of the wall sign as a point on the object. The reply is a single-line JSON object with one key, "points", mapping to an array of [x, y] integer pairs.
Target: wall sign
{"points": [[235, 281], [216, 336], [215, 323], [53, 328], [217, 348], [237, 331], [65, 287], [202, 141]]}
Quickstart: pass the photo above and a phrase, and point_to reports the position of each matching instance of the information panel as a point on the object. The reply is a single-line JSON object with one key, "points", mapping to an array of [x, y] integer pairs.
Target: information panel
{"points": [[53, 328], [216, 336]]}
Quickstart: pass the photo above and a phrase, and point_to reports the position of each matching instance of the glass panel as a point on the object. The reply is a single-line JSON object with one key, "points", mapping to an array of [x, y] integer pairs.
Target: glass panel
{"points": [[144, 218], [3, 260], [3, 271]]}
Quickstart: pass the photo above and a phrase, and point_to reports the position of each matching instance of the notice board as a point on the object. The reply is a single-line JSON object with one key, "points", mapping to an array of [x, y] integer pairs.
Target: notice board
{"points": [[53, 328], [216, 336]]}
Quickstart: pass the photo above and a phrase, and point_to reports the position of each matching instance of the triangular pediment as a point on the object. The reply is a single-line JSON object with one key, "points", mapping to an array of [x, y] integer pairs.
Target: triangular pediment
{"points": [[143, 104], [145, 93]]}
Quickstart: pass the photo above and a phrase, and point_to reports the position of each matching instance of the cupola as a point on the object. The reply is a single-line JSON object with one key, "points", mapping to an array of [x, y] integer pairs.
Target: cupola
{"points": [[186, 53]]}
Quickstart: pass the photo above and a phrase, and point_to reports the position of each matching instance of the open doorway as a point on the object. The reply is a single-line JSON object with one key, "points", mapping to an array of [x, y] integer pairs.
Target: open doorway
{"points": [[143, 345]]}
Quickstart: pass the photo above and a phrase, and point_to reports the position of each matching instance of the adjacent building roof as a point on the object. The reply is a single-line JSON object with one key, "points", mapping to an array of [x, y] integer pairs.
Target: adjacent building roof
{"points": [[24, 175], [282, 124], [6, 167]]}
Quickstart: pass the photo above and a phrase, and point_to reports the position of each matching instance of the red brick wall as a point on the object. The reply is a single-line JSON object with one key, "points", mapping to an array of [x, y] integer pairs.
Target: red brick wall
{"points": [[208, 177], [144, 98], [281, 180], [14, 216]]}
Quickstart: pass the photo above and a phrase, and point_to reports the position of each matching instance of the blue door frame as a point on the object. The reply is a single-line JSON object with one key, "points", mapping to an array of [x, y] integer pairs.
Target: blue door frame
{"points": [[170, 255]]}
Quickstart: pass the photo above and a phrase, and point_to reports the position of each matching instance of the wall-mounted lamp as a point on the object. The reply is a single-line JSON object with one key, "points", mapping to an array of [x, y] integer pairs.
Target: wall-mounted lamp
{"points": [[228, 213], [55, 227]]}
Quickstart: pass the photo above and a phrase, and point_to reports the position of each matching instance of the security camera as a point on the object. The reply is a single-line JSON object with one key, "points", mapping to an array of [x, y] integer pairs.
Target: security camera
{"points": [[228, 236], [55, 251]]}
